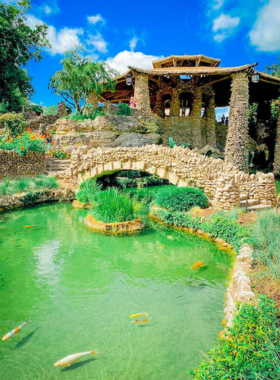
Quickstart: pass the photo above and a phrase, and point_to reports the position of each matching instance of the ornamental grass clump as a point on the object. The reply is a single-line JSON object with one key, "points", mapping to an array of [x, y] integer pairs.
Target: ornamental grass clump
{"points": [[88, 191], [266, 232], [27, 184], [112, 206], [180, 198], [250, 349]]}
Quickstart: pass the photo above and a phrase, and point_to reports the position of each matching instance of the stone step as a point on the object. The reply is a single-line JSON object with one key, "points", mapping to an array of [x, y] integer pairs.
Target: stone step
{"points": [[258, 207], [249, 202]]}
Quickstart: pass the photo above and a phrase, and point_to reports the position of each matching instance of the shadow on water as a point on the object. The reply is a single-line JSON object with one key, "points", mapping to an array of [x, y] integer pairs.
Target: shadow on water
{"points": [[24, 340], [77, 365]]}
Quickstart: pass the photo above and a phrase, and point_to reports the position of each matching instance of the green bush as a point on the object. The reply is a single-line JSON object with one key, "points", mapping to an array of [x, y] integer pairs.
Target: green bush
{"points": [[266, 232], [51, 110], [180, 198], [113, 206], [4, 106], [217, 226], [89, 189], [172, 143], [14, 123], [92, 115], [60, 154], [124, 109], [250, 349]]}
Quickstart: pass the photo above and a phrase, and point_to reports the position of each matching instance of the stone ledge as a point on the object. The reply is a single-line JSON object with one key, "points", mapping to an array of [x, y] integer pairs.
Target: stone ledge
{"points": [[80, 205], [114, 228], [12, 202]]}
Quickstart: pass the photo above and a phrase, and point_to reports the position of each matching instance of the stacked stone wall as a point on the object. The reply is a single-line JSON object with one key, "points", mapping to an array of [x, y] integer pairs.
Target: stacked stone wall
{"points": [[141, 94], [14, 165], [223, 183]]}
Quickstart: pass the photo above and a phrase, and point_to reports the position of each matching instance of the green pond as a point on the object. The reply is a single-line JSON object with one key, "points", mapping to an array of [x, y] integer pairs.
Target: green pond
{"points": [[79, 288]]}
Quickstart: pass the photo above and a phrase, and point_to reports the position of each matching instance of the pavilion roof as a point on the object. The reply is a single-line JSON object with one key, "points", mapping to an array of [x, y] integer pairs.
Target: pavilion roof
{"points": [[158, 62]]}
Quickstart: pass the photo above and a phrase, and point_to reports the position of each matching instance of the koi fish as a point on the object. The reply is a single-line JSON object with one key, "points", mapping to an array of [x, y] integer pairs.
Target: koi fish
{"points": [[29, 226], [163, 246], [70, 359], [141, 321], [138, 315], [170, 237], [197, 265], [15, 331]]}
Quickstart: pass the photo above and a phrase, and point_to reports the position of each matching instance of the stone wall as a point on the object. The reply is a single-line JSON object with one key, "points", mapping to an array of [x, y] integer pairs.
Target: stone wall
{"points": [[14, 165], [240, 285], [224, 184], [276, 167]]}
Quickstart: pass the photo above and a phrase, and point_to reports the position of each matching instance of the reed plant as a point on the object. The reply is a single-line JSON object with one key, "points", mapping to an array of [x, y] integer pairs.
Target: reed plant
{"points": [[88, 191], [112, 205]]}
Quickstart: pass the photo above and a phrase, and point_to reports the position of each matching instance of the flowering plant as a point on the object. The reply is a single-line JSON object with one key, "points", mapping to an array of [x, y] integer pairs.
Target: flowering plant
{"points": [[22, 144]]}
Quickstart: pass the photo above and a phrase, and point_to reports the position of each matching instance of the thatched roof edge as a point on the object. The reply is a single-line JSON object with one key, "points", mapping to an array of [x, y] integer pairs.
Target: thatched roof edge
{"points": [[193, 70], [186, 56]]}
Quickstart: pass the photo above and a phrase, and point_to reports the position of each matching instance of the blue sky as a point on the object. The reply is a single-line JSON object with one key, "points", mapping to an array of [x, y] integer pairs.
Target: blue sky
{"points": [[136, 32]]}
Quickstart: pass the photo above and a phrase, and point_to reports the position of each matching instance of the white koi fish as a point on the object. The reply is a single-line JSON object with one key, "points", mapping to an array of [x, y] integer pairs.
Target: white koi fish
{"points": [[170, 237], [70, 359], [15, 331]]}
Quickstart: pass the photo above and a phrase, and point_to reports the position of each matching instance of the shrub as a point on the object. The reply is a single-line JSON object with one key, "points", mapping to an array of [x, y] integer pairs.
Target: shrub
{"points": [[267, 241], [60, 154], [113, 206], [89, 189], [180, 198], [30, 197], [51, 110], [250, 349], [14, 123], [124, 109], [4, 106], [92, 115], [25, 143], [172, 143]]}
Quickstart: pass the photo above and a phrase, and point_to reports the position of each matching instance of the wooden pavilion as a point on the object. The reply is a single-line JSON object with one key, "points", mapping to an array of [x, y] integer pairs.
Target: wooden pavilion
{"points": [[195, 82]]}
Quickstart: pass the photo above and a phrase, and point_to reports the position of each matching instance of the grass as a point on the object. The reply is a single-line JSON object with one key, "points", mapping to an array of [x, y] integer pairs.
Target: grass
{"points": [[113, 206], [26, 184], [277, 184], [266, 235], [88, 190]]}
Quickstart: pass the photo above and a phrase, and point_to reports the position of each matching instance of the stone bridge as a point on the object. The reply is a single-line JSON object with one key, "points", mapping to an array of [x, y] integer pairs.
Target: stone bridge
{"points": [[223, 183]]}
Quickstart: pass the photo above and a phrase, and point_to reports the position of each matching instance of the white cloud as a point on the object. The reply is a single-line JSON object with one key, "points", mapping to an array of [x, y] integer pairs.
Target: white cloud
{"points": [[98, 42], [130, 58], [225, 22], [63, 39], [95, 19], [265, 35], [225, 25], [133, 43]]}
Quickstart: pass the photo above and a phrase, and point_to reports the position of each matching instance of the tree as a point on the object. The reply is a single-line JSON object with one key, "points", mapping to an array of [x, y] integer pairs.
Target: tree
{"points": [[274, 69], [81, 77], [19, 44]]}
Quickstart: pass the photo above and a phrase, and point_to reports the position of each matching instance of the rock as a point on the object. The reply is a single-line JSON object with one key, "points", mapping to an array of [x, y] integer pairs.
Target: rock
{"points": [[136, 139]]}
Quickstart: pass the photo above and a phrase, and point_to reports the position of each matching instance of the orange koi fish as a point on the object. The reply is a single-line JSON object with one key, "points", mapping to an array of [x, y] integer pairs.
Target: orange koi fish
{"points": [[138, 315], [70, 359], [197, 265], [141, 321], [163, 246], [15, 331], [29, 226]]}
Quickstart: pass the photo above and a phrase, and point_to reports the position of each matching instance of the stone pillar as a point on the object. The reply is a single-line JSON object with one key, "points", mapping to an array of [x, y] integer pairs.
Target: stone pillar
{"points": [[236, 151], [210, 120], [159, 105], [175, 103], [141, 93], [93, 100], [62, 109], [196, 119], [276, 165]]}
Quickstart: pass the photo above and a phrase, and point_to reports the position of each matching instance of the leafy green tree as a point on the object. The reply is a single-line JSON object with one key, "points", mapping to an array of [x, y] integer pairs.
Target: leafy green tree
{"points": [[81, 77], [274, 69], [19, 44]]}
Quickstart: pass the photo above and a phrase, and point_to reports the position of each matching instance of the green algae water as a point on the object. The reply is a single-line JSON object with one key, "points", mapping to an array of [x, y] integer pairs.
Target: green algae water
{"points": [[79, 288]]}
